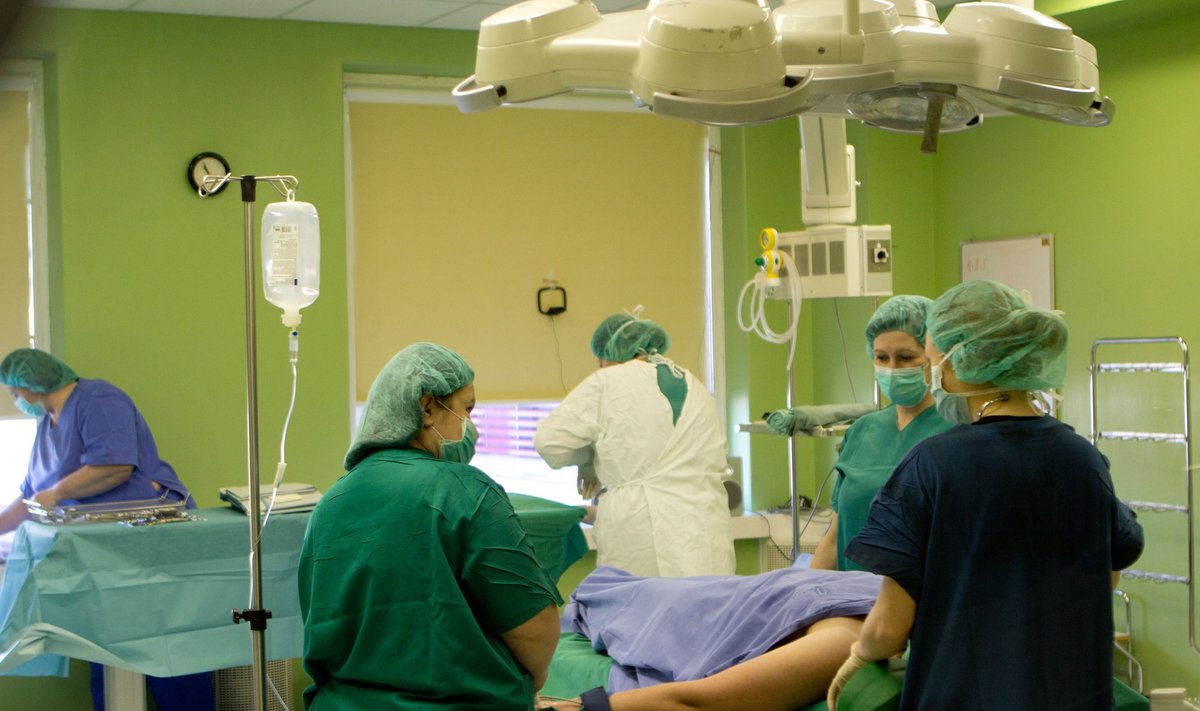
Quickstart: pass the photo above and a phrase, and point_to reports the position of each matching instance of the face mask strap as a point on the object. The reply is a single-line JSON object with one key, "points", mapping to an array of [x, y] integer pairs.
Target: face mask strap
{"points": [[1043, 401], [446, 407], [465, 420], [936, 380], [462, 449]]}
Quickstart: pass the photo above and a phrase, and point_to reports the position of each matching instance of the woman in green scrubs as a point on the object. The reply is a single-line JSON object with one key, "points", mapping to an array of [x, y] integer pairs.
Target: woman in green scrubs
{"points": [[418, 587], [876, 443]]}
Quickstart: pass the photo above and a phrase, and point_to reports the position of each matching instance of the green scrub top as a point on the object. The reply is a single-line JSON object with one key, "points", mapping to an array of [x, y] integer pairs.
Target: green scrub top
{"points": [[411, 568], [871, 449]]}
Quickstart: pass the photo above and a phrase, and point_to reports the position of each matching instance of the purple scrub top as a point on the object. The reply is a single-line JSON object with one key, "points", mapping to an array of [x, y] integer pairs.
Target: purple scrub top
{"points": [[99, 425]]}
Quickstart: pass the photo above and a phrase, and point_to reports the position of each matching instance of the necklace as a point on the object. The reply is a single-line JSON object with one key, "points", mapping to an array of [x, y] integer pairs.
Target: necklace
{"points": [[1002, 397]]}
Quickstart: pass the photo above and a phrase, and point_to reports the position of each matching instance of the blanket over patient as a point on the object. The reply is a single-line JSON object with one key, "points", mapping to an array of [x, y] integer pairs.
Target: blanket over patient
{"points": [[675, 629]]}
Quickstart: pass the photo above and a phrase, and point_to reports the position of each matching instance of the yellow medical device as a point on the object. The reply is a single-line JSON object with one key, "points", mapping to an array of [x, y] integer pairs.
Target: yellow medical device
{"points": [[770, 261]]}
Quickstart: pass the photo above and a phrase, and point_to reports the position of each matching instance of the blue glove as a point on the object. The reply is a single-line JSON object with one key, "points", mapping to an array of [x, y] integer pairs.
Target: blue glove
{"points": [[781, 422]]}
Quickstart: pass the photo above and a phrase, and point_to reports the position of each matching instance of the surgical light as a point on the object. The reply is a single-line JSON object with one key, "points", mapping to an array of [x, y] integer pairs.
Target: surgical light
{"points": [[904, 108], [734, 62], [715, 61]]}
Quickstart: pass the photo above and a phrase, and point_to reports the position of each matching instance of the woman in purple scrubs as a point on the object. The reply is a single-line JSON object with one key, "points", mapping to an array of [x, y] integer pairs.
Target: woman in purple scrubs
{"points": [[92, 446]]}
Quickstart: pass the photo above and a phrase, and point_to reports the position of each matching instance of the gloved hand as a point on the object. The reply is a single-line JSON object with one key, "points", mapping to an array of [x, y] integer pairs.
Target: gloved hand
{"points": [[852, 664], [781, 422], [551, 703], [586, 482]]}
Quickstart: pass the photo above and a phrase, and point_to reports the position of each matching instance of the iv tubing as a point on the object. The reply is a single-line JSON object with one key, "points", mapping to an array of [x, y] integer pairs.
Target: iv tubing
{"points": [[293, 349]]}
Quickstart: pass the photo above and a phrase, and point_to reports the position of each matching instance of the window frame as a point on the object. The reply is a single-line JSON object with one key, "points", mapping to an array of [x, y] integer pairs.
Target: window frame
{"points": [[436, 90], [28, 75]]}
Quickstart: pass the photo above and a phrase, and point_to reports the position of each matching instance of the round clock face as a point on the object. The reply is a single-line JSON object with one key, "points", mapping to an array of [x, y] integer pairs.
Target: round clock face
{"points": [[203, 164]]}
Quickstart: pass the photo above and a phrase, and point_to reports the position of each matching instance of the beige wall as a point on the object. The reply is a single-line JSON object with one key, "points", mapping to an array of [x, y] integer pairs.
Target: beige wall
{"points": [[14, 231], [458, 218]]}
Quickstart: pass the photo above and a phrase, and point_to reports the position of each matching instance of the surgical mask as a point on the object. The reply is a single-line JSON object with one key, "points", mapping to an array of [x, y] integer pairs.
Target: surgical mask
{"points": [[459, 450], [33, 409], [903, 386], [953, 407]]}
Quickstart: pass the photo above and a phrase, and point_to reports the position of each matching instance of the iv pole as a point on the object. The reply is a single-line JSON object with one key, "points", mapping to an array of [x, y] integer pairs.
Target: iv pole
{"points": [[256, 616], [794, 510], [792, 468]]}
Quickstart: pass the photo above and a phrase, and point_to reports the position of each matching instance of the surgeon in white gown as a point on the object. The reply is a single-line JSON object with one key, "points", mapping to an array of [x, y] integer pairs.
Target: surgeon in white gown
{"points": [[650, 432]]}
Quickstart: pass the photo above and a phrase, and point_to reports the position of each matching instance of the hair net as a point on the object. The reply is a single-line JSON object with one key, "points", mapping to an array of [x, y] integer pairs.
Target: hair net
{"points": [[393, 411], [624, 336], [35, 370], [900, 313], [1004, 340]]}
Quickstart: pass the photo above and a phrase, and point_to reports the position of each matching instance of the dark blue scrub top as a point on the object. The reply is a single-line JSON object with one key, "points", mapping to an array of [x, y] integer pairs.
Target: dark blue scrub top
{"points": [[1005, 534]]}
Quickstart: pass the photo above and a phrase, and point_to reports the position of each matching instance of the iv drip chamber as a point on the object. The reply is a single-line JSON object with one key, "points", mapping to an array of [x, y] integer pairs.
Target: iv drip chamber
{"points": [[291, 257]]}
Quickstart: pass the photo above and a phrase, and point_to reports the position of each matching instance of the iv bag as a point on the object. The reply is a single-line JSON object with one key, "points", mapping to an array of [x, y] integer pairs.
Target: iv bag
{"points": [[291, 257]]}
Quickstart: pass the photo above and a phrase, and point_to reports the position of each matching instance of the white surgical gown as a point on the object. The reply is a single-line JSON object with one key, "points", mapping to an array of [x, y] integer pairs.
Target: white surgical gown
{"points": [[665, 512]]}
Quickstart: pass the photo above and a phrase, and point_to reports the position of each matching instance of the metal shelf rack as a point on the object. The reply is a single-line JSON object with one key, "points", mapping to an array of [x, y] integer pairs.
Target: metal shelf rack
{"points": [[1124, 638]]}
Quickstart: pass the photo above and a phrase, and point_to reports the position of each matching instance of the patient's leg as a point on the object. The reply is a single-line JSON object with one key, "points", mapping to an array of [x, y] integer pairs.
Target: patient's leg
{"points": [[788, 676]]}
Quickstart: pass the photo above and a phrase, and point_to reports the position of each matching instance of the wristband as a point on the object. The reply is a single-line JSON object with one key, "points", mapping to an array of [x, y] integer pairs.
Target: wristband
{"points": [[595, 700]]}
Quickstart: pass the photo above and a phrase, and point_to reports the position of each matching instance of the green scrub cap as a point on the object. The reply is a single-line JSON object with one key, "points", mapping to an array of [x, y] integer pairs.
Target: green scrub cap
{"points": [[35, 370], [392, 415], [900, 313], [624, 336], [1004, 340]]}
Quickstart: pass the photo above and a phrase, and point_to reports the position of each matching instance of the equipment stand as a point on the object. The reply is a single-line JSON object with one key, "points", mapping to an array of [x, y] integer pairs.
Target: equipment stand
{"points": [[255, 615]]}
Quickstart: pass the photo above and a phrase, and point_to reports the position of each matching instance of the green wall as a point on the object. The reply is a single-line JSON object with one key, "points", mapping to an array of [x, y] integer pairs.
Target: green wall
{"points": [[148, 279], [1118, 201]]}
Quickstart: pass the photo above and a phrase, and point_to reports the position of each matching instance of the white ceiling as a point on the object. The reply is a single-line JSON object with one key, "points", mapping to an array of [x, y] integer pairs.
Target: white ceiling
{"points": [[443, 14]]}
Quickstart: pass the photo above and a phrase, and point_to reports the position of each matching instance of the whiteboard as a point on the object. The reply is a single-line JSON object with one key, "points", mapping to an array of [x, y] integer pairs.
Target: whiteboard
{"points": [[1020, 262]]}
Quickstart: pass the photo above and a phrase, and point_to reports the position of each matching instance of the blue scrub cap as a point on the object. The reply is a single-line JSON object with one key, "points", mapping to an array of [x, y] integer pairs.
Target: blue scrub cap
{"points": [[392, 415], [1004, 340], [625, 336], [35, 370], [905, 313]]}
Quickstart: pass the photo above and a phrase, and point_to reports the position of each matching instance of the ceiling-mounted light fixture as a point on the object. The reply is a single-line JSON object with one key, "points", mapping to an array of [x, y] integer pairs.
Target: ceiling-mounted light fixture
{"points": [[733, 62], [714, 61], [928, 108]]}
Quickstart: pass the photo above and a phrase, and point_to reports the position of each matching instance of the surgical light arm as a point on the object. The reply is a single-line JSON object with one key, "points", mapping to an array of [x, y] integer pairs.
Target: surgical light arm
{"points": [[827, 165]]}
